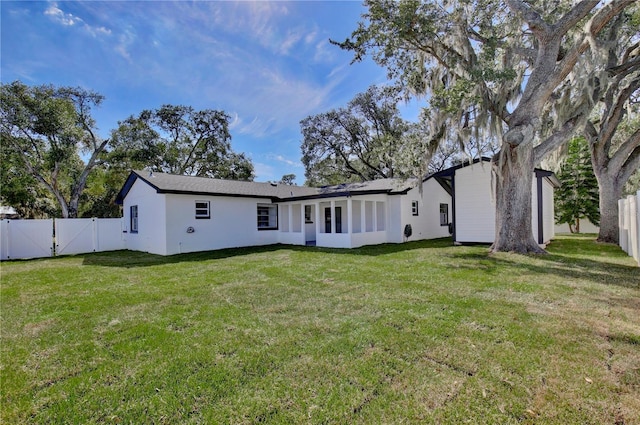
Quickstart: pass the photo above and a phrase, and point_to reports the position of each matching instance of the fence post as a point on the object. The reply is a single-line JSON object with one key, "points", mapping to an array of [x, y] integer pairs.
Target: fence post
{"points": [[54, 250], [635, 220], [94, 234], [622, 227], [4, 236]]}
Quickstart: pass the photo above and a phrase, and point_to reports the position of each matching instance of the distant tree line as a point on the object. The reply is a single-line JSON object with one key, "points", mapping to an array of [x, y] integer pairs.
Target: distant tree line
{"points": [[53, 162], [368, 139]]}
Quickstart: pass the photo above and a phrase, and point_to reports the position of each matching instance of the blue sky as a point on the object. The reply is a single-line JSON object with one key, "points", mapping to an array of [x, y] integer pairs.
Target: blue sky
{"points": [[267, 64]]}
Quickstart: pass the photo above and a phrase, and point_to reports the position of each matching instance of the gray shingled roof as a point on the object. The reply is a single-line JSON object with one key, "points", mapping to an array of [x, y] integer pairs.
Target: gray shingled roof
{"points": [[380, 185], [171, 183]]}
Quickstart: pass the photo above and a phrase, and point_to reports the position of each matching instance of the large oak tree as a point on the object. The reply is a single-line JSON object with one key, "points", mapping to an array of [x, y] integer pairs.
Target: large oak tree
{"points": [[497, 68], [47, 128], [180, 140], [358, 142], [613, 130]]}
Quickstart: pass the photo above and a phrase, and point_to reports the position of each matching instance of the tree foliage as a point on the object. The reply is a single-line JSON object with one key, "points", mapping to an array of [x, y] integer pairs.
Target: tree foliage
{"points": [[577, 197], [54, 163], [358, 142], [423, 152], [288, 179], [47, 128], [21, 190], [368, 139], [180, 140], [98, 199], [489, 68], [633, 185]]}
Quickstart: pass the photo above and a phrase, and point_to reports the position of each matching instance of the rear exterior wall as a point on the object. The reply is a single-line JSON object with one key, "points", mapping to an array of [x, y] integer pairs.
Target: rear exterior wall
{"points": [[232, 223], [475, 204], [426, 224]]}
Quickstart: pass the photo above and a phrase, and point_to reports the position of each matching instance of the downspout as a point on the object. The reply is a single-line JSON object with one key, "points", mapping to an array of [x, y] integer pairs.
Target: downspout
{"points": [[540, 209], [453, 205]]}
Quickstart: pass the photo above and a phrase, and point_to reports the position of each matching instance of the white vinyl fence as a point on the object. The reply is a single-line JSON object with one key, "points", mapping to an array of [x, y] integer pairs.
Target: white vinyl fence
{"points": [[21, 239], [26, 239], [629, 221]]}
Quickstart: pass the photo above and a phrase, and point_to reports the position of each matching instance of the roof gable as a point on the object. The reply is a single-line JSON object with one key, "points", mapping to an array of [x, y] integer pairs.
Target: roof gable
{"points": [[447, 172]]}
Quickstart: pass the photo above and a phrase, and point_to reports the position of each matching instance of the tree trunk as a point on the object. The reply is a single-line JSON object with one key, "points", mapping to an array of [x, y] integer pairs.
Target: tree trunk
{"points": [[64, 207], [513, 171], [610, 192], [73, 208], [76, 192]]}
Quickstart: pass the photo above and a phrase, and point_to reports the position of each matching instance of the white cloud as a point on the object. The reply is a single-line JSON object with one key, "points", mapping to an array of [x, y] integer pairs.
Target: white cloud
{"points": [[277, 99], [265, 93], [335, 72], [19, 13], [214, 52], [324, 52], [291, 39], [311, 36], [259, 21], [251, 18], [257, 127], [235, 121], [125, 40], [96, 31], [66, 19], [70, 20], [280, 158], [264, 172]]}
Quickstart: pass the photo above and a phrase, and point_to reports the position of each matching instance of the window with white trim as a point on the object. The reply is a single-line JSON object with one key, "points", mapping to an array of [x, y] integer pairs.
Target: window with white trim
{"points": [[414, 207], [133, 218], [267, 217], [444, 214], [203, 209]]}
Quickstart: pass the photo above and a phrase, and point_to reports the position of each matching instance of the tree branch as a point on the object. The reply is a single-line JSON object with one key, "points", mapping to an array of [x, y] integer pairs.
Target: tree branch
{"points": [[616, 111], [625, 68], [593, 27], [187, 160], [539, 27], [575, 15], [558, 137], [624, 152], [631, 166], [36, 174], [631, 51]]}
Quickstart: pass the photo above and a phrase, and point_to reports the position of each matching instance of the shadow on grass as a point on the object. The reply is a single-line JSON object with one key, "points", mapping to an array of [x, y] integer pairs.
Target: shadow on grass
{"points": [[570, 258], [564, 265], [130, 259]]}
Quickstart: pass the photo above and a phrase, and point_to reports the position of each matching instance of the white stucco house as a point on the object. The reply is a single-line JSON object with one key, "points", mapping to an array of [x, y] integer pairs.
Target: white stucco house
{"points": [[168, 214]]}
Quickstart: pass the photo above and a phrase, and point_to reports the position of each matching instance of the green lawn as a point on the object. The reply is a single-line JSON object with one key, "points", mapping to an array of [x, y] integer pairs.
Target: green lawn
{"points": [[417, 333]]}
